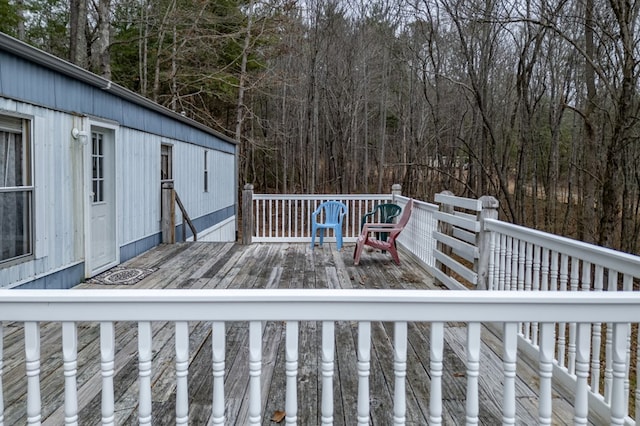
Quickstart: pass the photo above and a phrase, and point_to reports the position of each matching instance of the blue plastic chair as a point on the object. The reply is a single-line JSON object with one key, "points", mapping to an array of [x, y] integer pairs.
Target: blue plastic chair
{"points": [[334, 212]]}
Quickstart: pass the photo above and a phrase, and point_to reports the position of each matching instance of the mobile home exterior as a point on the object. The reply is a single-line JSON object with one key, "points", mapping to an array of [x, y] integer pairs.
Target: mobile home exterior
{"points": [[82, 161]]}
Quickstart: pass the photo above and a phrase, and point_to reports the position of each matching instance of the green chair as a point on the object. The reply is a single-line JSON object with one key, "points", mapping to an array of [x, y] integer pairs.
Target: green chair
{"points": [[384, 213]]}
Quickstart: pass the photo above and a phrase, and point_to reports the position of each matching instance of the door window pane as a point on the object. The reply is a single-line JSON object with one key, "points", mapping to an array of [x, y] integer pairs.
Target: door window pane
{"points": [[97, 159]]}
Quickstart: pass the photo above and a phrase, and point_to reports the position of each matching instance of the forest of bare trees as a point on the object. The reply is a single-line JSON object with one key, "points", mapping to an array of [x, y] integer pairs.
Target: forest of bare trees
{"points": [[533, 101]]}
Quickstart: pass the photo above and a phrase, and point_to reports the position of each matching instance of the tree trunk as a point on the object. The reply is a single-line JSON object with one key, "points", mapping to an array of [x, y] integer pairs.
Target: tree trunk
{"points": [[103, 42], [77, 28]]}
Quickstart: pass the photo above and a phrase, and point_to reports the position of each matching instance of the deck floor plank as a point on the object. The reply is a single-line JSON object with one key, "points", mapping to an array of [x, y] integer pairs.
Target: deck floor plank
{"points": [[227, 265]]}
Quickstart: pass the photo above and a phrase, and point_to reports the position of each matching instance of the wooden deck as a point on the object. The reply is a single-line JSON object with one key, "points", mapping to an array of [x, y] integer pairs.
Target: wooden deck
{"points": [[218, 265]]}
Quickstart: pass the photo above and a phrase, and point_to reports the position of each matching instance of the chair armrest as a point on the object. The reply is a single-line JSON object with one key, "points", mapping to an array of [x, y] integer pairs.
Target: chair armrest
{"points": [[393, 216], [363, 220]]}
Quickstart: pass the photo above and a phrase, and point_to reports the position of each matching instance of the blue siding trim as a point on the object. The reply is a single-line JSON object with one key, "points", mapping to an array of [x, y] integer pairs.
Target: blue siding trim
{"points": [[131, 250], [59, 280], [23, 80], [207, 221]]}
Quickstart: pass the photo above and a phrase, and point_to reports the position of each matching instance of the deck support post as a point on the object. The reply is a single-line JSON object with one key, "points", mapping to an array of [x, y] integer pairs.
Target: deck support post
{"points": [[168, 214], [489, 211], [247, 214]]}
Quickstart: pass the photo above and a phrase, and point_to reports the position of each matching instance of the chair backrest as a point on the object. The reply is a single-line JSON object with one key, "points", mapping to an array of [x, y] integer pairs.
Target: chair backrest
{"points": [[404, 218], [334, 211], [388, 211]]}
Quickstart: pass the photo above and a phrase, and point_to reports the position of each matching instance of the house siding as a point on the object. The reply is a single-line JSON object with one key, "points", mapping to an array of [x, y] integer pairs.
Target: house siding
{"points": [[56, 103]]}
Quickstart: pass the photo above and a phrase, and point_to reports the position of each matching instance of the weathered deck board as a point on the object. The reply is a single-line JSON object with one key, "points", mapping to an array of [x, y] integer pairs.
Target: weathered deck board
{"points": [[226, 265]]}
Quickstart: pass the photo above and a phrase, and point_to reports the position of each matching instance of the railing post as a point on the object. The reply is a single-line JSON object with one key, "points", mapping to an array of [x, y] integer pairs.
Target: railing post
{"points": [[489, 211], [247, 214], [396, 190], [168, 213]]}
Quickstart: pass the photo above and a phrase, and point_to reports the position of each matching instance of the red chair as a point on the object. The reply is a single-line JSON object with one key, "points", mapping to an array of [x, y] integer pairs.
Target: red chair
{"points": [[392, 229]]}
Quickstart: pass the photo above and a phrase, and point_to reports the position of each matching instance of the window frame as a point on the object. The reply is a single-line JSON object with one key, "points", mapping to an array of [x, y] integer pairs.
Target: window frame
{"points": [[166, 152], [28, 187]]}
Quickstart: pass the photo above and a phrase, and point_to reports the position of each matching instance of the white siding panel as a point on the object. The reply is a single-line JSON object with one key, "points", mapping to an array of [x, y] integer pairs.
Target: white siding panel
{"points": [[139, 190], [55, 194], [189, 180]]}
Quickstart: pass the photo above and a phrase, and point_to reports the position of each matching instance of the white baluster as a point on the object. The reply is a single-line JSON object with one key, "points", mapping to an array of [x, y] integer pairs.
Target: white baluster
{"points": [[291, 367], [586, 276], [508, 264], [562, 327], [32, 357], [364, 364], [182, 372], [400, 372], [535, 286], [627, 285], [270, 219], [575, 274], [144, 372], [218, 348], [571, 349], [264, 218], [473, 371], [328, 349], [581, 404], [553, 272], [70, 363], [107, 356], [544, 270], [619, 349], [1, 371], [502, 263], [612, 285], [289, 216], [528, 262], [521, 254], [596, 336], [435, 365], [637, 382], [510, 355], [546, 372], [553, 286], [492, 282], [279, 220], [255, 371]]}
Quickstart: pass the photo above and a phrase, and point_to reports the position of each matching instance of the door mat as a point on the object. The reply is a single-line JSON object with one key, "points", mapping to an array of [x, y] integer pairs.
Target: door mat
{"points": [[121, 275]]}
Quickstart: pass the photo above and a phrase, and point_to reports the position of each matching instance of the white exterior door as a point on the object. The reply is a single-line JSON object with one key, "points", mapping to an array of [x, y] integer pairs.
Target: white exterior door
{"points": [[102, 206]]}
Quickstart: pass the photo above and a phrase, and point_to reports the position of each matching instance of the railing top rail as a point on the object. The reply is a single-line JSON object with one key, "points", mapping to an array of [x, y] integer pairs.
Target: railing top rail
{"points": [[622, 262], [418, 203], [460, 202], [315, 305], [257, 196]]}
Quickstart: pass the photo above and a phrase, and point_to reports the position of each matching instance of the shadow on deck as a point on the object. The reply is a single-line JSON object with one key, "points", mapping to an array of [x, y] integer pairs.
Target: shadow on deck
{"points": [[220, 265]]}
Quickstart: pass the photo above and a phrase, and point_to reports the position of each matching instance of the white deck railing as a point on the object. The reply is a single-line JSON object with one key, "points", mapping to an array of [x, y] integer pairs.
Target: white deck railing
{"points": [[287, 218], [523, 259], [510, 309]]}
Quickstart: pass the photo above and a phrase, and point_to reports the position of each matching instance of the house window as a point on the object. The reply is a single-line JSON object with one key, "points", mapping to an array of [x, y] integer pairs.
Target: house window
{"points": [[166, 166], [206, 171], [16, 189]]}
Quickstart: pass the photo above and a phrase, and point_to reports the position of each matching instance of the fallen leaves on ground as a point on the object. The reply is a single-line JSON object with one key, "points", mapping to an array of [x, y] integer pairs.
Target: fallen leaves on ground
{"points": [[278, 416]]}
